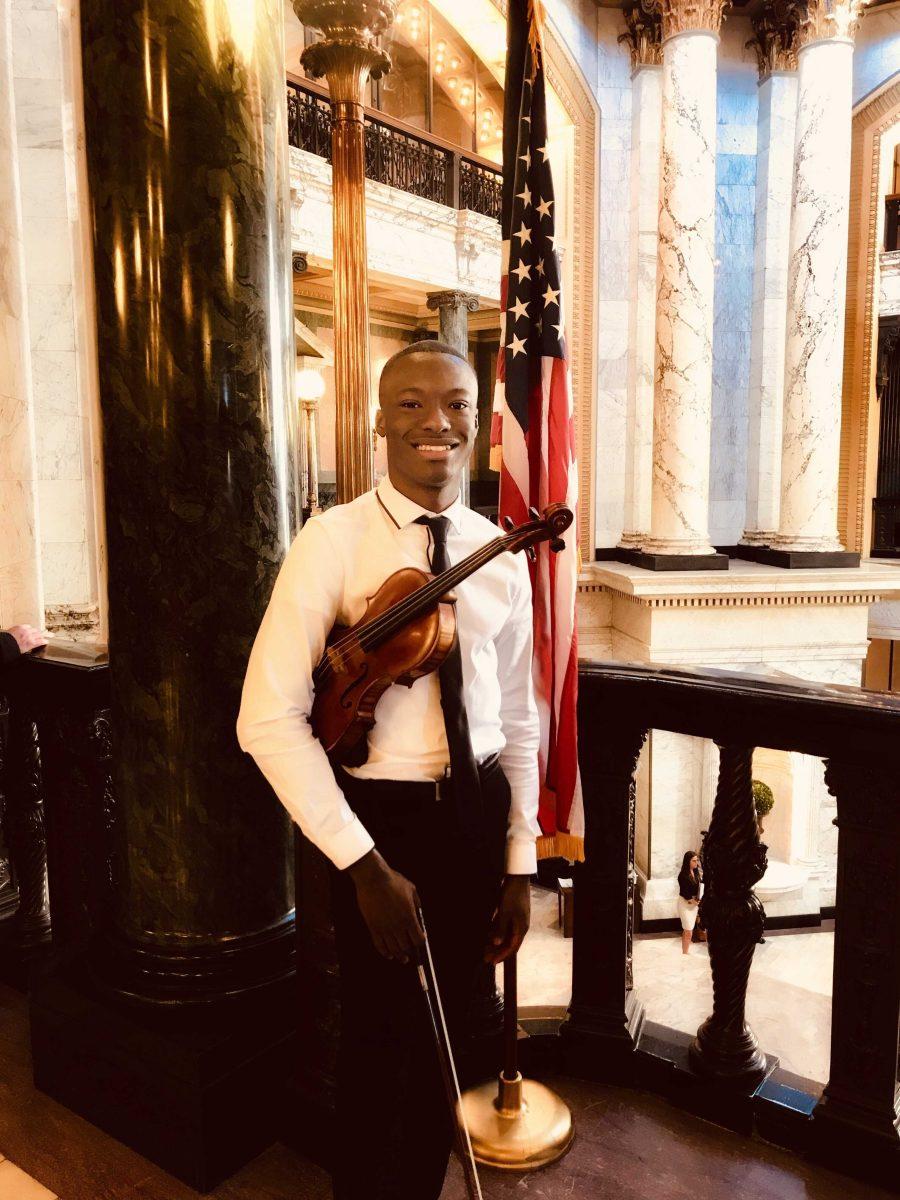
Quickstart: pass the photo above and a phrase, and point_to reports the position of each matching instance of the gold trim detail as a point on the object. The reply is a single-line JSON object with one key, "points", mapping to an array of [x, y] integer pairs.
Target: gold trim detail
{"points": [[691, 16], [643, 21], [856, 479], [774, 38], [824, 20]]}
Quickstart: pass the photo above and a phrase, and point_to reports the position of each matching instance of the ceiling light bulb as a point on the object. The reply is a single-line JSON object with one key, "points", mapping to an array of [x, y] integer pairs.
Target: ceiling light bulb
{"points": [[452, 81], [454, 63]]}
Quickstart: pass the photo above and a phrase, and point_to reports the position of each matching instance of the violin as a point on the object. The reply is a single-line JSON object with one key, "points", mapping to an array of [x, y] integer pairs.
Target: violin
{"points": [[407, 631]]}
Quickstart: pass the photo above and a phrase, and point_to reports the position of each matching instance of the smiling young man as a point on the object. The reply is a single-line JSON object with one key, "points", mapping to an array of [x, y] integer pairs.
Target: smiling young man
{"points": [[443, 813]]}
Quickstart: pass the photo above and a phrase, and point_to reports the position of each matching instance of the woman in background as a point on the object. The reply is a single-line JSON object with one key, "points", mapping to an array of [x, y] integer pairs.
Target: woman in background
{"points": [[690, 889]]}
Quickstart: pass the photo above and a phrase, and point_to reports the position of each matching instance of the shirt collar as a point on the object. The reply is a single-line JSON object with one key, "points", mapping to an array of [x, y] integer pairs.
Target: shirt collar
{"points": [[404, 511]]}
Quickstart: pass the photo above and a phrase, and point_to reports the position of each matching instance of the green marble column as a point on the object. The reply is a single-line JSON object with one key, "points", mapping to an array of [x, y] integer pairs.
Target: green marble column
{"points": [[187, 156]]}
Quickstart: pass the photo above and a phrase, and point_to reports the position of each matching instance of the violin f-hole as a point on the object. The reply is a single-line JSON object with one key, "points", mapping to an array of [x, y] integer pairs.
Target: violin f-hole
{"points": [[346, 701]]}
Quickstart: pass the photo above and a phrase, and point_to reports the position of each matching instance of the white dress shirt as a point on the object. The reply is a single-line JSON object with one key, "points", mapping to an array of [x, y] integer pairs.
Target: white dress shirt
{"points": [[336, 562]]}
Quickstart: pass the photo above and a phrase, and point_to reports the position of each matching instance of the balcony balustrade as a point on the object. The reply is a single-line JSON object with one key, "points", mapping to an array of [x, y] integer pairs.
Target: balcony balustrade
{"points": [[60, 812], [400, 156]]}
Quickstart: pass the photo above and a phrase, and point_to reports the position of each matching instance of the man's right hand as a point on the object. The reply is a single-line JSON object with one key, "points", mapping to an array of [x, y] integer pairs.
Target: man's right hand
{"points": [[390, 907]]}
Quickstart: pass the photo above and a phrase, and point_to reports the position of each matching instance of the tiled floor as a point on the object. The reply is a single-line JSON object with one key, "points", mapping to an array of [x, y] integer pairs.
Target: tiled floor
{"points": [[788, 1001]]}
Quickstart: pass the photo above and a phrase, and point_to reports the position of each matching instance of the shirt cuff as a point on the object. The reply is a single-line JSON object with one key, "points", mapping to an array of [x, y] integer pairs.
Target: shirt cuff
{"points": [[521, 856], [348, 846]]}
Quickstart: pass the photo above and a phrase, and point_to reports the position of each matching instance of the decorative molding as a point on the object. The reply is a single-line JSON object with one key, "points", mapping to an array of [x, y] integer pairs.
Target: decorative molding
{"points": [[643, 20], [774, 38], [828, 20], [72, 619], [807, 600], [691, 16], [580, 104], [855, 489]]}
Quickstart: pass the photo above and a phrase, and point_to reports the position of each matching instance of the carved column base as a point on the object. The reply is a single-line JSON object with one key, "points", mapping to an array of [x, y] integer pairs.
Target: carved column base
{"points": [[599, 1044], [728, 1055]]}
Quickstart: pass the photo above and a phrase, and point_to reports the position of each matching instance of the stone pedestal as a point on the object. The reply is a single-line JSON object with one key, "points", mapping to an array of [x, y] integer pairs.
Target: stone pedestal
{"points": [[684, 310]]}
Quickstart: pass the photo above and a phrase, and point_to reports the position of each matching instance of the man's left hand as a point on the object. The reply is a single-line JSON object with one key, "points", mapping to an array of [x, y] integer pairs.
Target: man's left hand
{"points": [[511, 920]]}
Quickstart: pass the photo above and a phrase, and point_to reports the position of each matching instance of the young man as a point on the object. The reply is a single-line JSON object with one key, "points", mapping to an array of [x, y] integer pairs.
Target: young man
{"points": [[443, 813]]}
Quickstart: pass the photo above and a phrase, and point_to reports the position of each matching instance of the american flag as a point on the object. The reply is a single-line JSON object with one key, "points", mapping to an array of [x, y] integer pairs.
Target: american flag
{"points": [[532, 430]]}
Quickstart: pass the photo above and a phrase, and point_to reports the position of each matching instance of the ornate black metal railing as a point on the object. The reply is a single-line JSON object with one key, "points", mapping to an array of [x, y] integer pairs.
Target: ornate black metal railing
{"points": [[724, 1073], [400, 157]]}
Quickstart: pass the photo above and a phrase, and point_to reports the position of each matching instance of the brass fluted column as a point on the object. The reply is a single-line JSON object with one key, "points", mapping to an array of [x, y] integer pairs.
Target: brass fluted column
{"points": [[346, 57]]}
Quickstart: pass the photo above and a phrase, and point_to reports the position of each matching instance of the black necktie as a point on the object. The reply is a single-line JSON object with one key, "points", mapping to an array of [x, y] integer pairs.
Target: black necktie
{"points": [[463, 769]]}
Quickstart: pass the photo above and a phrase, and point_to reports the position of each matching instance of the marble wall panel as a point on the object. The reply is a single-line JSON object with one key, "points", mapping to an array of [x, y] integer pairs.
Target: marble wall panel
{"points": [[58, 286], [876, 55], [614, 92], [20, 582], [736, 133]]}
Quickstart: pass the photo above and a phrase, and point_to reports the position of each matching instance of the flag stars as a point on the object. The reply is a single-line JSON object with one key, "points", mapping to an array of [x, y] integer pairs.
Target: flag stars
{"points": [[519, 309], [522, 270], [550, 296], [526, 159], [523, 234], [517, 346], [543, 150], [540, 266], [544, 208], [526, 196]]}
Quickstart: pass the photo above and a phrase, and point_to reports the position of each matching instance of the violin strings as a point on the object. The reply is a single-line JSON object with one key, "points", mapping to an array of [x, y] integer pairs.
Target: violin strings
{"points": [[422, 596]]}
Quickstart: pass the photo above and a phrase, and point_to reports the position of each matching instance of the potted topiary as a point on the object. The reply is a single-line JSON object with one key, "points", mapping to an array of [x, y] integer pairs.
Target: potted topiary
{"points": [[763, 801]]}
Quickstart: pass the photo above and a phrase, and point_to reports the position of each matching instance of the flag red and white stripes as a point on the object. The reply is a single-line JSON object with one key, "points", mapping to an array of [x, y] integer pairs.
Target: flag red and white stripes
{"points": [[532, 430]]}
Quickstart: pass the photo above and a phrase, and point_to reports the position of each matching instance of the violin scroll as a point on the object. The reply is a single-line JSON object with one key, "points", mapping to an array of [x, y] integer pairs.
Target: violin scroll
{"points": [[548, 527]]}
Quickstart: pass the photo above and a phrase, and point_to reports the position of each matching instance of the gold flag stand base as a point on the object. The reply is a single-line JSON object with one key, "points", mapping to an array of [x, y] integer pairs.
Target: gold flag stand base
{"points": [[520, 1125]]}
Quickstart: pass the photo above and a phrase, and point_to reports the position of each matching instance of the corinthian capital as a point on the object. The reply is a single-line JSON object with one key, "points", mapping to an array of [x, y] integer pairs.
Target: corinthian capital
{"points": [[829, 19], [774, 39], [350, 46], [643, 19], [686, 16]]}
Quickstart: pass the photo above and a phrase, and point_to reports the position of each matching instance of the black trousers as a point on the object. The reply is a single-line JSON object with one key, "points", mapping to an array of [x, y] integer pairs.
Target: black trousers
{"points": [[395, 1130]]}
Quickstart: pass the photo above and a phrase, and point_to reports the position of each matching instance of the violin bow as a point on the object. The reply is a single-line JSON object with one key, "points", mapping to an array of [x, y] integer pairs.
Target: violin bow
{"points": [[428, 981]]}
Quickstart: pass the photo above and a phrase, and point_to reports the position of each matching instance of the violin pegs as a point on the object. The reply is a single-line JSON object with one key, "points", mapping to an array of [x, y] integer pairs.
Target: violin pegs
{"points": [[508, 524], [534, 514], [557, 544], [529, 550]]}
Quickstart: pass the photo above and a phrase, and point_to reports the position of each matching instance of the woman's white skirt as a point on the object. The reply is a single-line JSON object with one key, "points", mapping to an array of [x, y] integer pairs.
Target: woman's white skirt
{"points": [[688, 913]]}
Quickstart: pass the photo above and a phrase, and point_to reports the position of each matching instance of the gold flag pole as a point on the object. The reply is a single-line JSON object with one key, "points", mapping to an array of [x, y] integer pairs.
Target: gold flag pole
{"points": [[347, 56], [520, 1125]]}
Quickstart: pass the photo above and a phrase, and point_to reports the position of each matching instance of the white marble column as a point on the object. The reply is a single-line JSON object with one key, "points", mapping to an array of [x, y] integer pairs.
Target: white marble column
{"points": [[774, 167], [643, 244], [684, 309], [817, 276]]}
